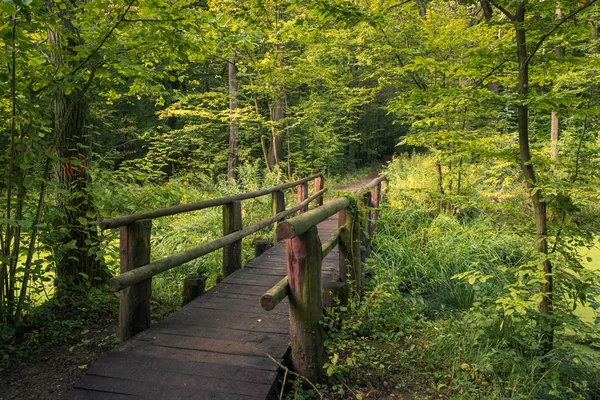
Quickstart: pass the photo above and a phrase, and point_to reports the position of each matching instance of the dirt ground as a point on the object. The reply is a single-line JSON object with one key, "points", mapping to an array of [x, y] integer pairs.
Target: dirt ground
{"points": [[51, 373]]}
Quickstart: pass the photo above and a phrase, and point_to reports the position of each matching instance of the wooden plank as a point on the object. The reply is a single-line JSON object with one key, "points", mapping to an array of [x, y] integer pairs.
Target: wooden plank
{"points": [[115, 360], [169, 337], [248, 279], [83, 394], [178, 388], [242, 305], [266, 322], [151, 350], [188, 380]]}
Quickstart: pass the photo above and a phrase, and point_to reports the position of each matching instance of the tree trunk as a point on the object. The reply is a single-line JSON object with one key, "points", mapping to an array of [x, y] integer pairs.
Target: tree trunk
{"points": [[233, 121], [539, 205], [440, 184], [554, 135], [276, 149], [76, 262]]}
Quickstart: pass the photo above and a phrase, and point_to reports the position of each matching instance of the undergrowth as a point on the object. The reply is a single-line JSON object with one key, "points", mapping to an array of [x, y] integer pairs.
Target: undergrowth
{"points": [[444, 312]]}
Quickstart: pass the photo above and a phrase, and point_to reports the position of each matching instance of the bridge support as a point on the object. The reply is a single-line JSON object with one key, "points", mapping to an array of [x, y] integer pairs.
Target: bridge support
{"points": [[232, 222], [304, 259], [134, 311]]}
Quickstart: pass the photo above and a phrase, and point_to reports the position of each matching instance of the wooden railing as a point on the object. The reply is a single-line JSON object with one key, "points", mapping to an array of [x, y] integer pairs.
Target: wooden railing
{"points": [[135, 279], [357, 221]]}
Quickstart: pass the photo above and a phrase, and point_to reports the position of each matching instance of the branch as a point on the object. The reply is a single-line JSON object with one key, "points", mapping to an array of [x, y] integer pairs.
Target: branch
{"points": [[398, 5], [104, 39], [494, 69], [551, 31], [503, 10], [152, 20]]}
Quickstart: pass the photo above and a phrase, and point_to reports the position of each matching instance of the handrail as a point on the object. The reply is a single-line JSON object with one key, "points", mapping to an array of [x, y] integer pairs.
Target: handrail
{"points": [[330, 244], [300, 224], [200, 205], [280, 290], [273, 296], [370, 185], [304, 258], [149, 270]]}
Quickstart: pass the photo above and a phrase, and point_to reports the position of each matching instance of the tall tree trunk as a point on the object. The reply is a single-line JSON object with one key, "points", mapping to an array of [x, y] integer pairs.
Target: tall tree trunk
{"points": [[75, 219], [554, 122], [539, 205], [276, 148], [440, 184], [233, 121], [554, 135]]}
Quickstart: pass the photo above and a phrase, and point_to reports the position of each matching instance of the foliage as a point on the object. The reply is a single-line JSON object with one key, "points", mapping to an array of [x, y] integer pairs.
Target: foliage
{"points": [[420, 330]]}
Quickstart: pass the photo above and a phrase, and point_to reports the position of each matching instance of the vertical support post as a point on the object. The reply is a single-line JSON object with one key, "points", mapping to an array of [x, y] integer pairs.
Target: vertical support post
{"points": [[260, 246], [375, 200], [134, 311], [319, 185], [303, 195], [365, 231], [349, 248], [278, 204], [232, 222], [193, 287], [304, 257]]}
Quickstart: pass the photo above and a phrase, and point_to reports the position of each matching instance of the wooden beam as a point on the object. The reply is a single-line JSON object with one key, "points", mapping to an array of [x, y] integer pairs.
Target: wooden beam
{"points": [[330, 244], [163, 212], [365, 228], [304, 278], [370, 185], [319, 185], [300, 224], [273, 296], [375, 200], [302, 195], [278, 205], [149, 270], [349, 246], [193, 286], [134, 310], [232, 253]]}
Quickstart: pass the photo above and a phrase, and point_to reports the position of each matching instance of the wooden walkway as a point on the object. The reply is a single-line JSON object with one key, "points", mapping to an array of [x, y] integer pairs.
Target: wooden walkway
{"points": [[213, 348]]}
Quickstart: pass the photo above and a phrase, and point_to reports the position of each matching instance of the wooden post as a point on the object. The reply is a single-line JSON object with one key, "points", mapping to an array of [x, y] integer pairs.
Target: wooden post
{"points": [[365, 231], [278, 204], [303, 195], [304, 278], [349, 248], [260, 246], [384, 185], [375, 200], [193, 286], [319, 185], [134, 312], [232, 222]]}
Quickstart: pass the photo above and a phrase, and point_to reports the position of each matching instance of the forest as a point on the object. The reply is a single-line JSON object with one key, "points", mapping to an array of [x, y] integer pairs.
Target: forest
{"points": [[484, 115]]}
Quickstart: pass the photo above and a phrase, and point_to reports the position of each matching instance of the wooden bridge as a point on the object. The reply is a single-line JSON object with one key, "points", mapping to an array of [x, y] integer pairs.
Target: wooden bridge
{"points": [[229, 342]]}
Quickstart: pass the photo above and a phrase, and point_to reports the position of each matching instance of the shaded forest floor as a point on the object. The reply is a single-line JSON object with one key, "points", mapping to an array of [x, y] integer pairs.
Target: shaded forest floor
{"points": [[52, 369]]}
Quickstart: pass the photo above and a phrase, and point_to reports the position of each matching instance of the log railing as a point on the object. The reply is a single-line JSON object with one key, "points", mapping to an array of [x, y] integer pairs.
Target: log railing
{"points": [[305, 253], [135, 279]]}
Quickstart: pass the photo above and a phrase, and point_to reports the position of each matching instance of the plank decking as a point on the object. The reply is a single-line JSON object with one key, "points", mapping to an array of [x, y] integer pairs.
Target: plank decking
{"points": [[213, 348]]}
